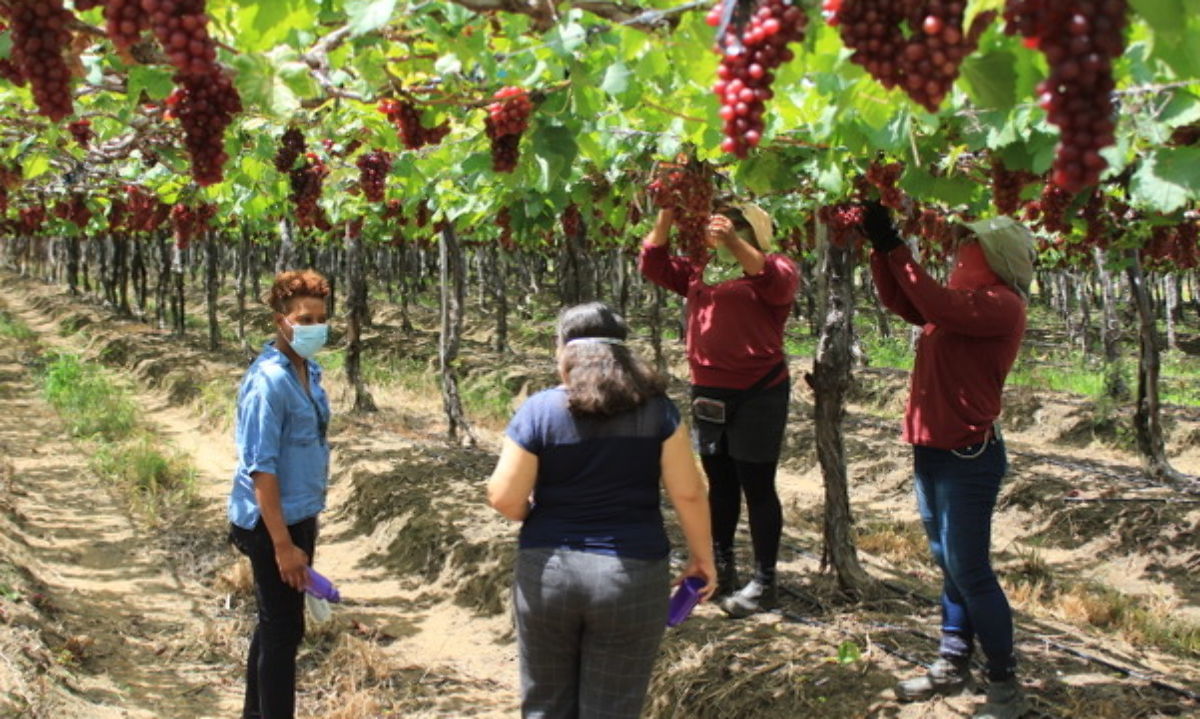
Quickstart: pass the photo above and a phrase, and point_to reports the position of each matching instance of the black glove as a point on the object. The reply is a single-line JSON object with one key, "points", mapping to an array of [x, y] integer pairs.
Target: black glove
{"points": [[877, 224]]}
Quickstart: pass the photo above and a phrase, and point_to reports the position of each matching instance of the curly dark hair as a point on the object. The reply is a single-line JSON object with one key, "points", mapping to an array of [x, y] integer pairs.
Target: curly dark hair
{"points": [[602, 379], [292, 284]]}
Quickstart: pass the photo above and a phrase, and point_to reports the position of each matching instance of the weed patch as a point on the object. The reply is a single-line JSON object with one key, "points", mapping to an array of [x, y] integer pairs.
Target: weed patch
{"points": [[87, 399]]}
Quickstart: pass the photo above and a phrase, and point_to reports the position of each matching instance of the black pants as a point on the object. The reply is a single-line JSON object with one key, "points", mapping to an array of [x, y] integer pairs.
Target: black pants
{"points": [[271, 663], [728, 480]]}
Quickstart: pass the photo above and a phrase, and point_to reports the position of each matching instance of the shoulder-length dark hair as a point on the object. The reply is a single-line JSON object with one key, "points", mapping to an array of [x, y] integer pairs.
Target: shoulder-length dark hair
{"points": [[602, 379]]}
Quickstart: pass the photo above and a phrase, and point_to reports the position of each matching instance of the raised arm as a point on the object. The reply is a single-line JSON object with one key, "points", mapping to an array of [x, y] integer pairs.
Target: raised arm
{"points": [[987, 312], [689, 495], [890, 293], [656, 262]]}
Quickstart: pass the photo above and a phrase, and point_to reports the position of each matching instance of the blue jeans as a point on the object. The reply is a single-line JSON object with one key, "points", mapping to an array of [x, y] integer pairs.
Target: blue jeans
{"points": [[956, 493]]}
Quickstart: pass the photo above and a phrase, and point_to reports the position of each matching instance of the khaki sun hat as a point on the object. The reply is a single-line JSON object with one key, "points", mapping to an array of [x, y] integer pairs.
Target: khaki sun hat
{"points": [[1008, 247], [761, 222]]}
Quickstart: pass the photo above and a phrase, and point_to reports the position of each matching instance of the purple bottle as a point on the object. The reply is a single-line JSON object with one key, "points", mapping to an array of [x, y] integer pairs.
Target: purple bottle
{"points": [[321, 588], [684, 600]]}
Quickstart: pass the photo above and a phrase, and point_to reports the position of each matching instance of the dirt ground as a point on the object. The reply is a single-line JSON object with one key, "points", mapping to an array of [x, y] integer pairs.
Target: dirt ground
{"points": [[103, 615]]}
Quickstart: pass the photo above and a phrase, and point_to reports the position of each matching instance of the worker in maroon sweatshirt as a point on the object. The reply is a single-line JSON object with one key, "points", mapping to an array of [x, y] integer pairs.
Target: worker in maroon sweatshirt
{"points": [[739, 297], [971, 331]]}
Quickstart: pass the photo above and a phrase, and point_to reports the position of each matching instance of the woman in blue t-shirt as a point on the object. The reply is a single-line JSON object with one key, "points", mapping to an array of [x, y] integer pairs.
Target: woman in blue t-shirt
{"points": [[581, 467]]}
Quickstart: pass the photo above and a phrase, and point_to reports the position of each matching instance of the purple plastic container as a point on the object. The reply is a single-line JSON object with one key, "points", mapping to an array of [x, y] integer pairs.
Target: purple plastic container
{"points": [[684, 600], [321, 588]]}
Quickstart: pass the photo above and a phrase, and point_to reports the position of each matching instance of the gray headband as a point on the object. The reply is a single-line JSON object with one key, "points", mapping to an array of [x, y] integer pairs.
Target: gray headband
{"points": [[596, 340]]}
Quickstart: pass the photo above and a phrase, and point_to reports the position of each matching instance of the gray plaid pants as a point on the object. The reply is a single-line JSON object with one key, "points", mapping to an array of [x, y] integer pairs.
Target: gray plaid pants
{"points": [[588, 629]]}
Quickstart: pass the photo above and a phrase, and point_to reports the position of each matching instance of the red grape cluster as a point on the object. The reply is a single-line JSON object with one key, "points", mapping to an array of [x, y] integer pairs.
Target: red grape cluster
{"points": [[81, 130], [205, 106], [1007, 186], [186, 222], [74, 211], [843, 221], [884, 178], [504, 222], [32, 218], [422, 218], [146, 212], [40, 35], [306, 181], [394, 210], [1172, 247], [291, 146], [10, 176], [507, 118], [688, 191], [181, 27], [124, 21], [407, 120], [1097, 219], [373, 168], [117, 212], [924, 61], [10, 71], [572, 221], [750, 49], [1050, 210], [1080, 39]]}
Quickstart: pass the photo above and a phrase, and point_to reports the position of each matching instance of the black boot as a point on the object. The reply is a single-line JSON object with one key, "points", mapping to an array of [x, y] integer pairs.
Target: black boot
{"points": [[727, 576]]}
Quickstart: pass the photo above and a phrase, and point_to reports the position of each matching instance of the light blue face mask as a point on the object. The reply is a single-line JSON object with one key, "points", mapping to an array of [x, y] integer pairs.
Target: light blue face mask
{"points": [[307, 340]]}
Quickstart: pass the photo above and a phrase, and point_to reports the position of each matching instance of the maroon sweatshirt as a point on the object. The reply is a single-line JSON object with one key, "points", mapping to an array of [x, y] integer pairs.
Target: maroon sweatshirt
{"points": [[969, 341], [734, 329]]}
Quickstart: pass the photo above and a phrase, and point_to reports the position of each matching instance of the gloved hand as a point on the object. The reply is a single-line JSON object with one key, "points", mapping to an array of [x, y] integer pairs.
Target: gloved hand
{"points": [[877, 225]]}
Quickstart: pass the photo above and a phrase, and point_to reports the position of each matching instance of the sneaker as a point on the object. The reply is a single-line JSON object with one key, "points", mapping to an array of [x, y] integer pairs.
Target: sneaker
{"points": [[1005, 700], [943, 677], [753, 598]]}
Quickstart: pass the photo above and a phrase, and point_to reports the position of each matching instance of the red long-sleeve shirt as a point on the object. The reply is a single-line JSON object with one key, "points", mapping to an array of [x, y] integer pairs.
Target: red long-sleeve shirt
{"points": [[969, 341], [734, 329]]}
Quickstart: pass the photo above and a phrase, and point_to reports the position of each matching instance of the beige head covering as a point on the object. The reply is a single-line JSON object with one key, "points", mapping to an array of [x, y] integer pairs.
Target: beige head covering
{"points": [[761, 222], [1008, 247]]}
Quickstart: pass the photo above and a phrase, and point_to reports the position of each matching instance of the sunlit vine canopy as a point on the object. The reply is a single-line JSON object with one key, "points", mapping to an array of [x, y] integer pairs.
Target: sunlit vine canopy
{"points": [[615, 87]]}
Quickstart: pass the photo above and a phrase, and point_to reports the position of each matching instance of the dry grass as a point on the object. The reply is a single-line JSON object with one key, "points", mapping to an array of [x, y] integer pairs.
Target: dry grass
{"points": [[897, 541], [1138, 620]]}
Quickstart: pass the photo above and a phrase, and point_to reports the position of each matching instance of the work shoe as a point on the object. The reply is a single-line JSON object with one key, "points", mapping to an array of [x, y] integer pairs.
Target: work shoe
{"points": [[753, 598], [944, 676], [1005, 700]]}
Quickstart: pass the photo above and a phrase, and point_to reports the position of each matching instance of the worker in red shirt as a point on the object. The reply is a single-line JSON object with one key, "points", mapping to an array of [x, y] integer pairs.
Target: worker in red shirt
{"points": [[738, 300], [971, 331]]}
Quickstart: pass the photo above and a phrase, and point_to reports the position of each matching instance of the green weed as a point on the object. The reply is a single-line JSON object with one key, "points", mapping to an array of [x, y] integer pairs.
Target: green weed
{"points": [[487, 397], [89, 401], [151, 478], [13, 328]]}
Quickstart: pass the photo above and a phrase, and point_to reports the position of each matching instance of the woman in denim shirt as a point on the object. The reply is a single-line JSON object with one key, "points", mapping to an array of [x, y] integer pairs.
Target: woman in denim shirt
{"points": [[279, 485]]}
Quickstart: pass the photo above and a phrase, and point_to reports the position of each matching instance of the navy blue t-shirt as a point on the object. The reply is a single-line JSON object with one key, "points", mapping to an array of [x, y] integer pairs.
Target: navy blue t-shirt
{"points": [[598, 479]]}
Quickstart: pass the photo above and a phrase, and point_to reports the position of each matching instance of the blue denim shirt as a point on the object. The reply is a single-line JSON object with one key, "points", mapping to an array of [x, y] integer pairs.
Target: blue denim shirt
{"points": [[279, 431]]}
